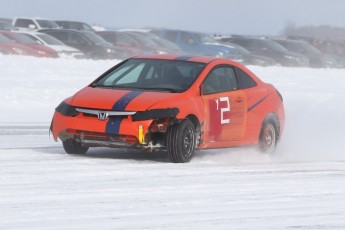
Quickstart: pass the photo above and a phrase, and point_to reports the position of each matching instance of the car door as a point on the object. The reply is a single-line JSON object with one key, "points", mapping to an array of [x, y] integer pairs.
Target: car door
{"points": [[224, 106]]}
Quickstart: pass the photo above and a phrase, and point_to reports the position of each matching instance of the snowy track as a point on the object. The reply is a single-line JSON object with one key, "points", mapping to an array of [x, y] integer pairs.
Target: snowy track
{"points": [[41, 187]]}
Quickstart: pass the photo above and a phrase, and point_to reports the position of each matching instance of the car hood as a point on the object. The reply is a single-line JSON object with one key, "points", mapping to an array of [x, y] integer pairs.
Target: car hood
{"points": [[123, 100], [214, 46], [63, 48]]}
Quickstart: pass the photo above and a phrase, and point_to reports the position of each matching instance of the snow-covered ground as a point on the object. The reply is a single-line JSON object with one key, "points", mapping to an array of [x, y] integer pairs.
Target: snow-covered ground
{"points": [[301, 187]]}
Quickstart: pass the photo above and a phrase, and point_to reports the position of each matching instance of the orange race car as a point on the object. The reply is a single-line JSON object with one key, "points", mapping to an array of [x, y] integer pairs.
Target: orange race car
{"points": [[173, 103]]}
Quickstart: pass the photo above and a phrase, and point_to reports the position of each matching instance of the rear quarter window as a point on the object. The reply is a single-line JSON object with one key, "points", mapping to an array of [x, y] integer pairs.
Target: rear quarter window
{"points": [[244, 80]]}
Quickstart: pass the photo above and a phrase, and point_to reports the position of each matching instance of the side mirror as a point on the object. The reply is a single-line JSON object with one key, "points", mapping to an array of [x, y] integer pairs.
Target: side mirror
{"points": [[32, 26]]}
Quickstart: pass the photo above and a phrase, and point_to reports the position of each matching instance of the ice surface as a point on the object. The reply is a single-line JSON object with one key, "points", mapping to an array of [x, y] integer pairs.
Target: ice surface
{"points": [[301, 187]]}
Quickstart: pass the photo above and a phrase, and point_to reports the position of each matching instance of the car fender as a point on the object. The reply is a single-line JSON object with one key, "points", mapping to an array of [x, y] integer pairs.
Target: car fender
{"points": [[193, 106]]}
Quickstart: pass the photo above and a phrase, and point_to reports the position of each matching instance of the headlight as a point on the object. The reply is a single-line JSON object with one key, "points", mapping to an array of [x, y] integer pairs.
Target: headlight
{"points": [[290, 57], [110, 50], [260, 62], [155, 114], [220, 55], [64, 52], [66, 109], [41, 52], [161, 52], [17, 50], [330, 62]]}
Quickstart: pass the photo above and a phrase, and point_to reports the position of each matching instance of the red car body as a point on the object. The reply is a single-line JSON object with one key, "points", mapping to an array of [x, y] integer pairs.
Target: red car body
{"points": [[200, 113], [41, 50], [16, 49], [9, 47]]}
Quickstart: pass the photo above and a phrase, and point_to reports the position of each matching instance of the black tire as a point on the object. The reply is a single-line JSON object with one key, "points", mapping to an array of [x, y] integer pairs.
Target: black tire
{"points": [[268, 137], [181, 141], [71, 146]]}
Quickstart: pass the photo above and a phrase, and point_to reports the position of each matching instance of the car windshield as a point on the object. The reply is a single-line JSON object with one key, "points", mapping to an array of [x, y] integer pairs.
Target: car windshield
{"points": [[7, 26], [143, 40], [240, 49], [95, 38], [310, 49], [275, 46], [47, 24], [206, 38], [50, 40], [87, 27], [152, 74], [166, 43], [160, 41], [22, 38]]}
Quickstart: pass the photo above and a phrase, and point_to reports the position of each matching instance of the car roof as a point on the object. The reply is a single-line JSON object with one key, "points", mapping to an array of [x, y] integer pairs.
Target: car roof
{"points": [[30, 32], [69, 21], [290, 41], [33, 18], [110, 32], [202, 59], [63, 30]]}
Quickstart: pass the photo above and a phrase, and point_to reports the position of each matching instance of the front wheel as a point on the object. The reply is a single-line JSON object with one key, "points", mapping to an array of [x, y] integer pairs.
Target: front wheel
{"points": [[268, 137], [71, 146], [181, 142]]}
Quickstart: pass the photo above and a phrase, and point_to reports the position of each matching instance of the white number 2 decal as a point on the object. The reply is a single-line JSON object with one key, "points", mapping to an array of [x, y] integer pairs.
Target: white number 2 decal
{"points": [[224, 109]]}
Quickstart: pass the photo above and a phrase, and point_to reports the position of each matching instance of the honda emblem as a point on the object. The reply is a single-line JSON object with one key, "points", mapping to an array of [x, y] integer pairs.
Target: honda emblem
{"points": [[102, 116]]}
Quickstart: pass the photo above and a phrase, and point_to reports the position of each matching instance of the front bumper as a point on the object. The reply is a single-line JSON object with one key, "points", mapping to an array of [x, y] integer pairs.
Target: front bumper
{"points": [[92, 131]]}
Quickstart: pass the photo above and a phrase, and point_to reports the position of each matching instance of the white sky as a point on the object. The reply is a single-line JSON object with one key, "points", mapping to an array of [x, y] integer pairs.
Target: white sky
{"points": [[215, 16]]}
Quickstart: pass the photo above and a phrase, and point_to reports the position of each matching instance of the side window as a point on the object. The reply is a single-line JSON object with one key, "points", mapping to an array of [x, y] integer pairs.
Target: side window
{"points": [[125, 39], [244, 80], [35, 39], [63, 25], [75, 38], [170, 35], [187, 38], [246, 44], [60, 36], [110, 38], [220, 79], [24, 23], [74, 26]]}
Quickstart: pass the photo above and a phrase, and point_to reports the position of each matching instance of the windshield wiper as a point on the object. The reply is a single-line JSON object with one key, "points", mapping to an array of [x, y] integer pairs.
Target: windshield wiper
{"points": [[162, 89], [94, 85], [112, 86], [136, 88]]}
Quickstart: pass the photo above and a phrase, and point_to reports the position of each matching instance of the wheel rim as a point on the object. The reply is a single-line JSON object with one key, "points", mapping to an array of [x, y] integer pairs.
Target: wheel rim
{"points": [[188, 140], [269, 138]]}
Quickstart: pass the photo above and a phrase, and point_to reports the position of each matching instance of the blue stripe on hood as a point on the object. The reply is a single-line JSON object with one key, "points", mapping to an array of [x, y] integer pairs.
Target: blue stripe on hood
{"points": [[113, 124]]}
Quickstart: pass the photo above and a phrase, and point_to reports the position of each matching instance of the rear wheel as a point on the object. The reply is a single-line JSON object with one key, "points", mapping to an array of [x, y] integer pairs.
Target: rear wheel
{"points": [[181, 142], [268, 137], [71, 146]]}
